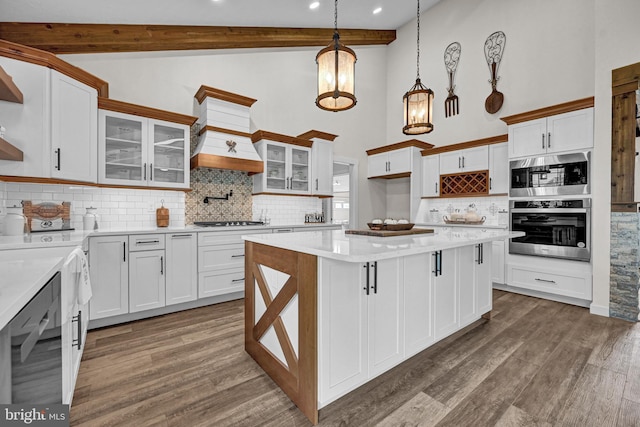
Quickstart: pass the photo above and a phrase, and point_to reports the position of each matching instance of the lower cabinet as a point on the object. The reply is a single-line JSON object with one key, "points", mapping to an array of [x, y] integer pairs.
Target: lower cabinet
{"points": [[109, 270], [181, 272], [372, 316], [146, 280]]}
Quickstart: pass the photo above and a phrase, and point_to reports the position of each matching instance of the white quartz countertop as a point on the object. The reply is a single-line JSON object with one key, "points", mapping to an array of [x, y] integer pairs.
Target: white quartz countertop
{"points": [[443, 224], [354, 248], [23, 273]]}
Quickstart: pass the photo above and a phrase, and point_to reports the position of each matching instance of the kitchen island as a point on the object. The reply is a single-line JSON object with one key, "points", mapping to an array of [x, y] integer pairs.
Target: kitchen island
{"points": [[327, 312]]}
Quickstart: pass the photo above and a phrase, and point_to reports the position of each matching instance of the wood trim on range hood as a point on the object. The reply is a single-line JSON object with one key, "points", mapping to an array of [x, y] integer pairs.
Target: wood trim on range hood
{"points": [[62, 38], [222, 162]]}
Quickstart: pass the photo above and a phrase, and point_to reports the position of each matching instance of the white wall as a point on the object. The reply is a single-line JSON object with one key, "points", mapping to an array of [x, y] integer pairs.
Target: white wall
{"points": [[283, 82], [617, 35], [548, 59]]}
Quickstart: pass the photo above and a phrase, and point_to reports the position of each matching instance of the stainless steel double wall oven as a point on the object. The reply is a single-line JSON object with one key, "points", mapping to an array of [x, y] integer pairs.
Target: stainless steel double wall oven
{"points": [[547, 202]]}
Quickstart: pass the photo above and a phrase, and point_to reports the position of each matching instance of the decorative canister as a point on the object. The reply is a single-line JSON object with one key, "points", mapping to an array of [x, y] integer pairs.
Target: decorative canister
{"points": [[162, 216], [14, 222], [90, 219]]}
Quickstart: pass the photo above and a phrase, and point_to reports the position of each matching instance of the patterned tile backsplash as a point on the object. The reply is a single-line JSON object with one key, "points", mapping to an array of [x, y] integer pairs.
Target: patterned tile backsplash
{"points": [[217, 183], [116, 207]]}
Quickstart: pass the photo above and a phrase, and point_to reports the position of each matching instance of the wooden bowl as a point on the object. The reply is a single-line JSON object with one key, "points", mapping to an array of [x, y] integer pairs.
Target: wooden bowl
{"points": [[390, 227]]}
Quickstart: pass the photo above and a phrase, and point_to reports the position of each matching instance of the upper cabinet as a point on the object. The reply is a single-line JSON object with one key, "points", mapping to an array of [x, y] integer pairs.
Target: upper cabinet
{"points": [[287, 164], [55, 127], [395, 160], [469, 159], [499, 168], [321, 162], [74, 129], [471, 168], [561, 128], [140, 146]]}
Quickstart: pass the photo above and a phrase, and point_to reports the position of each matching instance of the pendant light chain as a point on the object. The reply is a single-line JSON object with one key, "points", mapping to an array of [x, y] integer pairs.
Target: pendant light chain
{"points": [[335, 15], [418, 43]]}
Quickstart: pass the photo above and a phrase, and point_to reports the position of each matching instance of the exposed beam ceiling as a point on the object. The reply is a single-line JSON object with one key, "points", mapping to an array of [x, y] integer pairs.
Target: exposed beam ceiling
{"points": [[61, 38]]}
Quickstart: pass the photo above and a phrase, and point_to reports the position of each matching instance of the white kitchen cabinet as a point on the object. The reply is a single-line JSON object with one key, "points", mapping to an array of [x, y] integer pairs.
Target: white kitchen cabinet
{"points": [[55, 126], [140, 151], [467, 290], [498, 262], [467, 160], [418, 297], [366, 332], [389, 163], [286, 168], [322, 168], [499, 168], [431, 176], [554, 134], [146, 280], [74, 129], [445, 293], [181, 268], [483, 264], [146, 272], [385, 315], [109, 271]]}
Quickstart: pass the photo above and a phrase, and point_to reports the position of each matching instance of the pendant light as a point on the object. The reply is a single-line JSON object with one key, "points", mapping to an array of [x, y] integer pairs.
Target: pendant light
{"points": [[418, 101], [336, 74]]}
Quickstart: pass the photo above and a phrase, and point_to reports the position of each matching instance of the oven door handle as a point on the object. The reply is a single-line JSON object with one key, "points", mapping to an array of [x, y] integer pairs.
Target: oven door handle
{"points": [[541, 211]]}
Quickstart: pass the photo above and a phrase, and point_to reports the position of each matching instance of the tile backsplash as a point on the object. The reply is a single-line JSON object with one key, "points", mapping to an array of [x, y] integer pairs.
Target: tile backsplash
{"points": [[116, 207], [489, 207], [217, 183], [285, 210]]}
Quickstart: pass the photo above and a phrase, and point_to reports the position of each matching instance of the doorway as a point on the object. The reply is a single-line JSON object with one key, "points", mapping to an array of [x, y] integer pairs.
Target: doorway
{"points": [[343, 206]]}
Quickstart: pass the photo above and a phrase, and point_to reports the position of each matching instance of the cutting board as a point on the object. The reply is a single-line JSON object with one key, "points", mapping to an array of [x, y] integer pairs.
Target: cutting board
{"points": [[389, 233]]}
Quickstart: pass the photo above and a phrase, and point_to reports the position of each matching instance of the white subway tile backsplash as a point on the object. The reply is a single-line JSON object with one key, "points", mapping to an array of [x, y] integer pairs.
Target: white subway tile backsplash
{"points": [[285, 210], [117, 208]]}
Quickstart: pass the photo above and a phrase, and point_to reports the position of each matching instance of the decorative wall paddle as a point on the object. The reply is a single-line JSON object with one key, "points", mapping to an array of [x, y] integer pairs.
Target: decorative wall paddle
{"points": [[493, 49], [451, 58]]}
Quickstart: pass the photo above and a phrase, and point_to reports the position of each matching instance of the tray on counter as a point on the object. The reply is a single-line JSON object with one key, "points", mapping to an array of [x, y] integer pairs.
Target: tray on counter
{"points": [[389, 233], [393, 227], [463, 221]]}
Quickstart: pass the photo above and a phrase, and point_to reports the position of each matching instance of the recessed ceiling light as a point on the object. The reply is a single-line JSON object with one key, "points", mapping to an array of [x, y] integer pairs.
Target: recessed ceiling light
{"points": [[314, 5], [377, 10]]}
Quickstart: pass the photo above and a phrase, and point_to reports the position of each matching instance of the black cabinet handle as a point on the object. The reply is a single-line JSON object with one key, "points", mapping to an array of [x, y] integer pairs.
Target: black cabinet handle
{"points": [[490, 183], [151, 172], [78, 318], [543, 140], [549, 140], [161, 265], [366, 288], [237, 256], [124, 251], [58, 155], [237, 280], [437, 263], [316, 184], [462, 162], [145, 171], [375, 277]]}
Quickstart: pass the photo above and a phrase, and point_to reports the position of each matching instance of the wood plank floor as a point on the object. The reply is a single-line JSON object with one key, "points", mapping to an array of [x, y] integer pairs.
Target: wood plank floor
{"points": [[535, 363]]}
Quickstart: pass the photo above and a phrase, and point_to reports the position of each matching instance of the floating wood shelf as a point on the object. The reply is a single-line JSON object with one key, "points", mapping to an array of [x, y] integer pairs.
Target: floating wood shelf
{"points": [[9, 152], [468, 183], [8, 89]]}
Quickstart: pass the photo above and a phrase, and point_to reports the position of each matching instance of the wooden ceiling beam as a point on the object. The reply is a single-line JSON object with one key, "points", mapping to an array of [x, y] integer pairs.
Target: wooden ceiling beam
{"points": [[62, 38]]}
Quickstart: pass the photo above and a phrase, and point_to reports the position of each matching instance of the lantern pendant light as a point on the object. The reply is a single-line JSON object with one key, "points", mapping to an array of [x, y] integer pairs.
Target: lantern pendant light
{"points": [[418, 101], [336, 74]]}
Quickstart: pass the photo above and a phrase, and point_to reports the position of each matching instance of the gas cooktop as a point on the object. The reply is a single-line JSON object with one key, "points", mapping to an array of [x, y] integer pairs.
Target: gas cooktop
{"points": [[226, 223]]}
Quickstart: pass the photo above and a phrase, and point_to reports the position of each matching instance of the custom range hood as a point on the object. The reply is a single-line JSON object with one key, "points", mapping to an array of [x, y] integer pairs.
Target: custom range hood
{"points": [[224, 141]]}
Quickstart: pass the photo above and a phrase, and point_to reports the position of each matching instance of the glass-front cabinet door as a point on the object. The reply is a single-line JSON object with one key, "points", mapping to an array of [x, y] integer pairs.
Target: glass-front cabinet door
{"points": [[139, 151], [122, 155], [169, 154], [299, 177], [276, 167]]}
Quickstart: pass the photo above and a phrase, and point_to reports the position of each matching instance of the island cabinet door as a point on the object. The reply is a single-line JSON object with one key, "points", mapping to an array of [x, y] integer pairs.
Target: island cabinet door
{"points": [[342, 328], [445, 293], [468, 257], [418, 297], [385, 307], [484, 273]]}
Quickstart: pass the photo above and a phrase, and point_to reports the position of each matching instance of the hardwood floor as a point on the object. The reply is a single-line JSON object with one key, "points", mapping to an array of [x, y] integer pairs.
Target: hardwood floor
{"points": [[535, 363]]}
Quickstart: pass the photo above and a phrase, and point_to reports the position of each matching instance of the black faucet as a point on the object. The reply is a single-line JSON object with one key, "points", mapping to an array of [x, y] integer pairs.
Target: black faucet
{"points": [[226, 197]]}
